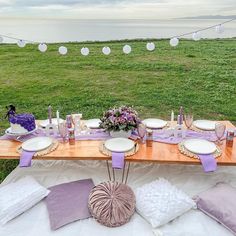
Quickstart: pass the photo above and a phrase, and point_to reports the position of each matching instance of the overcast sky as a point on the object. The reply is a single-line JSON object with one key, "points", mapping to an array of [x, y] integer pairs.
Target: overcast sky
{"points": [[115, 9]]}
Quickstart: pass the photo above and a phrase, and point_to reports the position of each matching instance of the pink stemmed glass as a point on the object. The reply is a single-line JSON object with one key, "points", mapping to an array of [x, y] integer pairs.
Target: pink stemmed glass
{"points": [[188, 120], [63, 131], [219, 131], [141, 132]]}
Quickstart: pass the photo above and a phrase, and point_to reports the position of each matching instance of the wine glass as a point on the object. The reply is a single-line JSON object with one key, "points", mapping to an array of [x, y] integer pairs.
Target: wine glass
{"points": [[141, 131], [63, 131], [188, 120], [219, 131]]}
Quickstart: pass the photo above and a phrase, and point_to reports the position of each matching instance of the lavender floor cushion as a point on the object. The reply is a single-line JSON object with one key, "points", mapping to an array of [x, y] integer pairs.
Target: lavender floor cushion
{"points": [[68, 202], [219, 202], [112, 204]]}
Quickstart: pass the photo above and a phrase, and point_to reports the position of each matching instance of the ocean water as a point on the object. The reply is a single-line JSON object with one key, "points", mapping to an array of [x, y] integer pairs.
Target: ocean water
{"points": [[54, 30]]}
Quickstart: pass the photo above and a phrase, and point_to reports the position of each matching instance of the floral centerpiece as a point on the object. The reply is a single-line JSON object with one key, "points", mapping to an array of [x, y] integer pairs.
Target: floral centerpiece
{"points": [[120, 120]]}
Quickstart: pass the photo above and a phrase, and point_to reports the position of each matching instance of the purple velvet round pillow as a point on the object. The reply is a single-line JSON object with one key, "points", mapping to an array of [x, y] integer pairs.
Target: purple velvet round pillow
{"points": [[111, 203]]}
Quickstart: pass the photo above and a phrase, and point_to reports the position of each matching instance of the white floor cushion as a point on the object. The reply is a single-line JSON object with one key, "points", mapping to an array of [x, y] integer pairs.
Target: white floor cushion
{"points": [[160, 202], [19, 196]]}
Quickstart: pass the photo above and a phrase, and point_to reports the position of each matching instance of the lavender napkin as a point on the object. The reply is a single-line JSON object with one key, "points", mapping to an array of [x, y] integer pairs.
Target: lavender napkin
{"points": [[208, 162], [118, 160], [25, 158]]}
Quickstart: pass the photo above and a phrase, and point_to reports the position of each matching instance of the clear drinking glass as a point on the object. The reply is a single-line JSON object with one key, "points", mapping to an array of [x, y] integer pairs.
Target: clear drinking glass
{"points": [[63, 131], [219, 131], [141, 131], [188, 120]]}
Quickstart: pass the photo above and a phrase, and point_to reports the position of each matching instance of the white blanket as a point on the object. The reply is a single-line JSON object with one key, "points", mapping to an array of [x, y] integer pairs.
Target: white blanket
{"points": [[190, 179]]}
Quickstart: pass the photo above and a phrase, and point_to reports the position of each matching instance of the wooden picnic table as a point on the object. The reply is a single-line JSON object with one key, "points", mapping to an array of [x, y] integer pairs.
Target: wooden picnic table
{"points": [[89, 150]]}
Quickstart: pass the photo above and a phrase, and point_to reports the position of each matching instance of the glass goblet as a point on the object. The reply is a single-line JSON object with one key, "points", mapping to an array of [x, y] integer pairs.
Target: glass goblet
{"points": [[141, 132], [63, 131], [219, 131], [188, 120]]}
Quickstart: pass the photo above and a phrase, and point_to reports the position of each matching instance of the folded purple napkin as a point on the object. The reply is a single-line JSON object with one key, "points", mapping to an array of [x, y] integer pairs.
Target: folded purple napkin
{"points": [[25, 158], [208, 162], [118, 160]]}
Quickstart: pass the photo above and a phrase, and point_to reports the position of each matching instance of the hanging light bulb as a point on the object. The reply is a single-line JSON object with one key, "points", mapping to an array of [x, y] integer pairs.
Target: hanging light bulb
{"points": [[174, 42], [196, 36], [127, 49], [1, 39], [150, 46], [62, 50], [219, 29], [84, 51], [106, 50], [21, 43], [42, 47]]}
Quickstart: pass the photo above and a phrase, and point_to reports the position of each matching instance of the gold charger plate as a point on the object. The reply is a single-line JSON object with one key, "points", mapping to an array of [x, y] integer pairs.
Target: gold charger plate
{"points": [[186, 152], [106, 152], [43, 152]]}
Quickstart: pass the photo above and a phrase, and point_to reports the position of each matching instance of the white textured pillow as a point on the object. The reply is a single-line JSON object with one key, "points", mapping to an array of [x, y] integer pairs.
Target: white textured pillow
{"points": [[17, 197], [160, 202]]}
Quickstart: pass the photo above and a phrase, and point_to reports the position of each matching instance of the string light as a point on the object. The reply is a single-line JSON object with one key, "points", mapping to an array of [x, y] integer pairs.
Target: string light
{"points": [[62, 50], [106, 51], [219, 29], [84, 51], [42, 47], [127, 49], [196, 36], [174, 41], [21, 43], [150, 46]]}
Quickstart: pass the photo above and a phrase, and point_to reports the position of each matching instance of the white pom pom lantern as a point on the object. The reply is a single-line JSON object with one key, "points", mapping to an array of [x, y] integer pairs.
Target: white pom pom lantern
{"points": [[196, 36], [127, 49], [174, 42], [42, 47], [84, 51], [219, 29], [21, 43], [106, 50], [62, 50], [150, 46], [1, 39]]}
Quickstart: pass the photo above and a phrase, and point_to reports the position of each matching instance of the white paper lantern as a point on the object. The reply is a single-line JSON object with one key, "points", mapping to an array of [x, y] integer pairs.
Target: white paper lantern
{"points": [[150, 46], [174, 42], [219, 29], [21, 43], [84, 51], [127, 49], [106, 50], [62, 50], [42, 47], [196, 36], [1, 39]]}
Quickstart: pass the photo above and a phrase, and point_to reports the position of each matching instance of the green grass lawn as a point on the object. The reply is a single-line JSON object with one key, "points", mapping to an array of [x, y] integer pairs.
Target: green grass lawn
{"points": [[201, 76]]}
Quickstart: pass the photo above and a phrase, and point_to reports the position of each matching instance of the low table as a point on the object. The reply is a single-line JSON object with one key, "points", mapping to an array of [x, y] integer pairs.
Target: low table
{"points": [[89, 150]]}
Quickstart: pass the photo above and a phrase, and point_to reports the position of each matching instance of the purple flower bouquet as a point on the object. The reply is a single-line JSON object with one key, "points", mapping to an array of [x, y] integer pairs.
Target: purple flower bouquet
{"points": [[122, 118]]}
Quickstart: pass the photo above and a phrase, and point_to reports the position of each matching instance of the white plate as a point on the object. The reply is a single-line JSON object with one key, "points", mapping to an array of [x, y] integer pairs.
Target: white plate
{"points": [[205, 124], [119, 144], [154, 123], [36, 144], [93, 123], [44, 123], [200, 146], [9, 132]]}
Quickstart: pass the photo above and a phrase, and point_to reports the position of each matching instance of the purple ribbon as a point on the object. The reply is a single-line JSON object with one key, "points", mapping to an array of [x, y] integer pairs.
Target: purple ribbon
{"points": [[25, 158], [118, 160], [208, 162]]}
